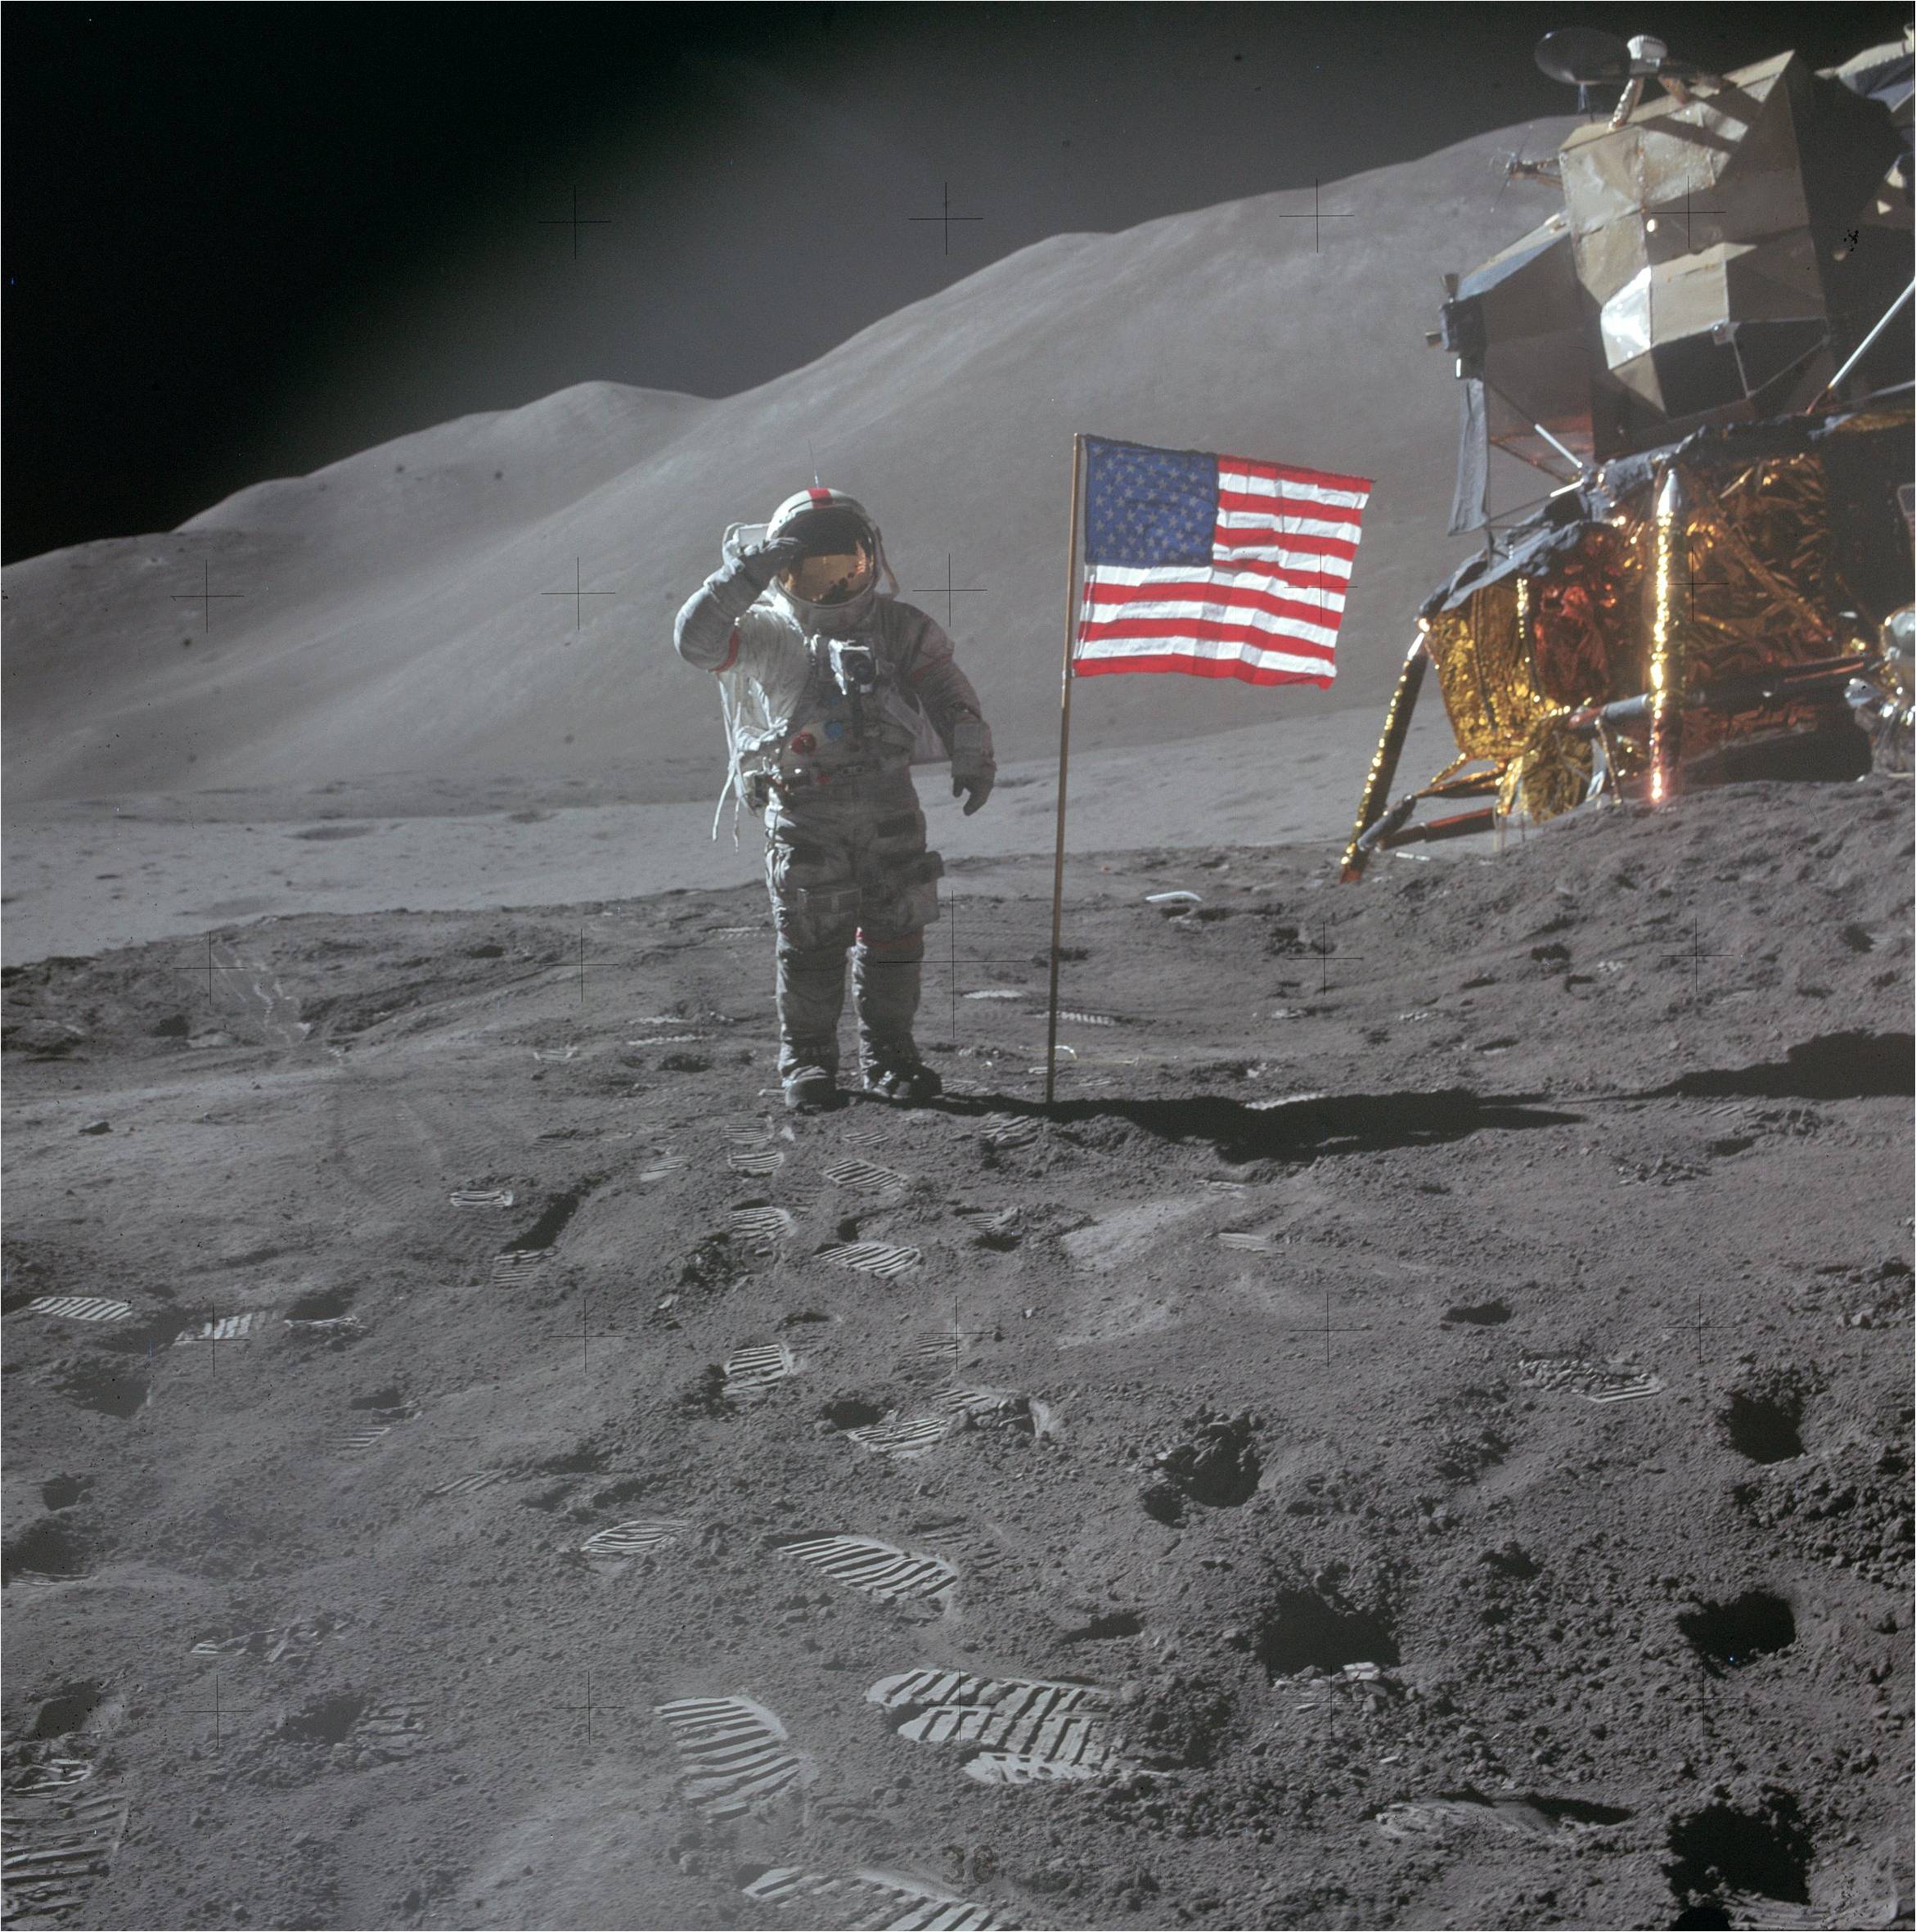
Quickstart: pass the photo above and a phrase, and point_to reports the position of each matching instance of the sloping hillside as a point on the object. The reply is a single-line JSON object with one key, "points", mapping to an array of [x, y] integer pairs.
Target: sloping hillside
{"points": [[398, 612]]}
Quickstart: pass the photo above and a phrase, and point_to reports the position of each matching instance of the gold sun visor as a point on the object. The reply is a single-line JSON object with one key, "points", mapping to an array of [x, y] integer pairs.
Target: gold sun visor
{"points": [[832, 579]]}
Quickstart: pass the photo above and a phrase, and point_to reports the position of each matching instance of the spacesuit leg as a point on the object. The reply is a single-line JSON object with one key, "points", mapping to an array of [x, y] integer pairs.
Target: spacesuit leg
{"points": [[815, 904], [899, 898]]}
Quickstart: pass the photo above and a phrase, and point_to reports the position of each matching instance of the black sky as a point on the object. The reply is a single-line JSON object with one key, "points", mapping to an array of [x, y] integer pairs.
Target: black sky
{"points": [[240, 242]]}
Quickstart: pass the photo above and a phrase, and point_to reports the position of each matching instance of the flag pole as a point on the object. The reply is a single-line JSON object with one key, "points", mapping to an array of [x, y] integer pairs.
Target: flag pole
{"points": [[1063, 769]]}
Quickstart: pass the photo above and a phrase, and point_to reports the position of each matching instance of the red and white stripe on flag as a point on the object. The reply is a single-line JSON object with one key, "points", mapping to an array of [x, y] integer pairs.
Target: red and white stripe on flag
{"points": [[1268, 607]]}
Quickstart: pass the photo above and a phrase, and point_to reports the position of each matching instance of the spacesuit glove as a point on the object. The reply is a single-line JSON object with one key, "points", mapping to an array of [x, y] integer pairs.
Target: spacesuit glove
{"points": [[752, 566], [976, 786], [973, 768]]}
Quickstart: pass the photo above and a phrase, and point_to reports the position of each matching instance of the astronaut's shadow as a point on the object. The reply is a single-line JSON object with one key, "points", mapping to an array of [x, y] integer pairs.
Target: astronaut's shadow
{"points": [[1303, 1129]]}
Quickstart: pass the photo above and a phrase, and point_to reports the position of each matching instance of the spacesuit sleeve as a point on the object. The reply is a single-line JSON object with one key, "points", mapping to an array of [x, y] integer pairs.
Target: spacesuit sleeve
{"points": [[932, 676], [708, 632]]}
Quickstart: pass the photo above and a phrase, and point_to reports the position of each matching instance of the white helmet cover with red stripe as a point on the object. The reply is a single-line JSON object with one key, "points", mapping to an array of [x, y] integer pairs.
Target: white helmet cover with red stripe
{"points": [[830, 525]]}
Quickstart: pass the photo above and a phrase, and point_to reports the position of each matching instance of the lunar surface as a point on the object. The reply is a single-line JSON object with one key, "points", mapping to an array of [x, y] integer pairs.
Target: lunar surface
{"points": [[1417, 1436]]}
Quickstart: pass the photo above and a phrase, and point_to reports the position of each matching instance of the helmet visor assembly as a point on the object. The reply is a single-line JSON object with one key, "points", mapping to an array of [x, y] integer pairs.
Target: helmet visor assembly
{"points": [[834, 579], [840, 556]]}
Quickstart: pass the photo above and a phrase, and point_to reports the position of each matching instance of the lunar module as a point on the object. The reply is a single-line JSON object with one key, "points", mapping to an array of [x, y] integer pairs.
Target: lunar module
{"points": [[1707, 351]]}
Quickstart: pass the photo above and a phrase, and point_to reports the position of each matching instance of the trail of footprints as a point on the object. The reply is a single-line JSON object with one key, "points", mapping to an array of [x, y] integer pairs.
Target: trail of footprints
{"points": [[613, 1552], [63, 1827], [80, 1308], [885, 1901], [880, 1570], [60, 1837], [750, 1372], [1024, 1729], [874, 1257], [736, 1754], [1601, 1382], [864, 1177]]}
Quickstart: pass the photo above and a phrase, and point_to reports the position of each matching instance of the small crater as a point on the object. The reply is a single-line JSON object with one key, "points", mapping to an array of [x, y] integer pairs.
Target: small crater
{"points": [[1723, 1849], [1100, 1629], [1219, 1466], [1512, 1561], [575, 1462], [326, 1720], [45, 1549], [1481, 1314], [704, 1394], [61, 1493], [68, 1709], [90, 1384], [488, 950], [1309, 1630], [1764, 1425], [324, 1304], [614, 1494], [546, 1230], [1728, 1636], [851, 1411], [391, 1397], [1163, 1504]]}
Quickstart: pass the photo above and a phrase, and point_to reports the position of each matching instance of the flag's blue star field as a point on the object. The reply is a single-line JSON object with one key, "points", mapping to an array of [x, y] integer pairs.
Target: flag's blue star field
{"points": [[1149, 508]]}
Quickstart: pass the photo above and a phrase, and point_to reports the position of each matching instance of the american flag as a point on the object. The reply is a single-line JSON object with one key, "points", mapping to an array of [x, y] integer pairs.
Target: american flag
{"points": [[1214, 565]]}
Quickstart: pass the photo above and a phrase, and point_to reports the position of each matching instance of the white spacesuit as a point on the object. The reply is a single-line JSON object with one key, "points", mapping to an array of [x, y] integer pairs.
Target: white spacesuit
{"points": [[825, 680]]}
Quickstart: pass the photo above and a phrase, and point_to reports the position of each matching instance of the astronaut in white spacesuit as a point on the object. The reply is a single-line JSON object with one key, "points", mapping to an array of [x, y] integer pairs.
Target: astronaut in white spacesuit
{"points": [[826, 678]]}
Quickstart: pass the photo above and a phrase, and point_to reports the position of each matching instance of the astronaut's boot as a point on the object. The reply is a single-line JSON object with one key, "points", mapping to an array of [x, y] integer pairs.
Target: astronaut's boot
{"points": [[885, 974], [810, 996]]}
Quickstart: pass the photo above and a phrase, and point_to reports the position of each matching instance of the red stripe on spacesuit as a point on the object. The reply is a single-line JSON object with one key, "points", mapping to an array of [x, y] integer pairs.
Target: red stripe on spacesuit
{"points": [[898, 944], [819, 496], [912, 677], [731, 653]]}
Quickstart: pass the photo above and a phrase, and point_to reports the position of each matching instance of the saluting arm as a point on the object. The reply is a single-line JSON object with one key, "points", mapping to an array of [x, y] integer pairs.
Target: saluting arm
{"points": [[703, 634]]}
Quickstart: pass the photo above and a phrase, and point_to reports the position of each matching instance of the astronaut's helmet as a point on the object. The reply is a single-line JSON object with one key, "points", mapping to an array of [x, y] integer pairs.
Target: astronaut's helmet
{"points": [[840, 561]]}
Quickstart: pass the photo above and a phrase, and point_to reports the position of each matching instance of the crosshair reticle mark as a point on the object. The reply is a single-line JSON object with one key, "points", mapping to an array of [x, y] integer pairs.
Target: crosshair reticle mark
{"points": [[1327, 1330], [211, 1327], [584, 965], [209, 969], [945, 218], [1696, 956], [215, 1710], [586, 1337], [949, 908], [1697, 1329], [1693, 583], [948, 590], [575, 221], [1318, 216], [1688, 210], [206, 597], [578, 594], [587, 1705]]}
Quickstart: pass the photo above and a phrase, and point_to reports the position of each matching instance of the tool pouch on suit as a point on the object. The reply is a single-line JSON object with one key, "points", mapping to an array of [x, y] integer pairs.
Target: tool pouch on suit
{"points": [[808, 916], [817, 916], [907, 897]]}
